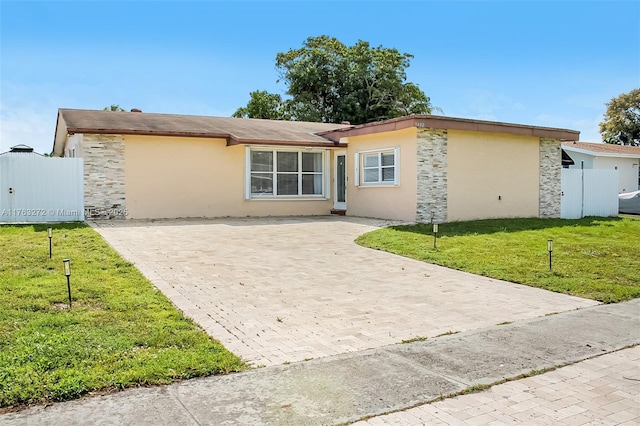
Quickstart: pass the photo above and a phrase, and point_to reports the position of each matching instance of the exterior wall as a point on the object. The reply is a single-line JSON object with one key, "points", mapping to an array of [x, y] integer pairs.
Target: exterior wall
{"points": [[73, 147], [104, 175], [578, 159], [550, 177], [197, 177], [388, 202], [432, 172], [493, 175], [627, 171]]}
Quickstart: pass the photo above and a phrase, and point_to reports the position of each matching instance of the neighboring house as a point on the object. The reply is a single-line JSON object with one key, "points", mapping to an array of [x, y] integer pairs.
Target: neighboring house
{"points": [[624, 159], [417, 168]]}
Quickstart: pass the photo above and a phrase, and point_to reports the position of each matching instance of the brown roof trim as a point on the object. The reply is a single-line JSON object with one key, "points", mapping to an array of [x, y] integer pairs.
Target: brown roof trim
{"points": [[451, 123], [72, 130], [233, 141]]}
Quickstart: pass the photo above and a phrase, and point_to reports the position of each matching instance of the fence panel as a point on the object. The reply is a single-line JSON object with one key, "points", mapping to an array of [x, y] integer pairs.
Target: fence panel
{"points": [[40, 189], [589, 192], [601, 198]]}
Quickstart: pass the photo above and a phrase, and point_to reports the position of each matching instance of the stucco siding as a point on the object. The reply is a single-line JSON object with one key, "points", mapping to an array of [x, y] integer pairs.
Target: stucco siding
{"points": [[197, 177], [492, 175], [580, 160], [389, 202], [627, 171]]}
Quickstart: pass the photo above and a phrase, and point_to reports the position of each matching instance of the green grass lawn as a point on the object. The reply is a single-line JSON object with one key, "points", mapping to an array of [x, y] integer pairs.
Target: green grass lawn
{"points": [[119, 332], [595, 258]]}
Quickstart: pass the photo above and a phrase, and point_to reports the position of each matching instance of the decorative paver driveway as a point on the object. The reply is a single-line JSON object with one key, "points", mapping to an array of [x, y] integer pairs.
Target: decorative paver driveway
{"points": [[274, 290]]}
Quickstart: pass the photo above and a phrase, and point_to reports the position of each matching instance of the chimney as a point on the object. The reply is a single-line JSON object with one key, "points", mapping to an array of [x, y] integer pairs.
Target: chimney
{"points": [[136, 110]]}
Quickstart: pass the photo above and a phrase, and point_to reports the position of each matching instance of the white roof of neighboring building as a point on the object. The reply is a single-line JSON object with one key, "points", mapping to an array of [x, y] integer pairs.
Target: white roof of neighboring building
{"points": [[602, 149]]}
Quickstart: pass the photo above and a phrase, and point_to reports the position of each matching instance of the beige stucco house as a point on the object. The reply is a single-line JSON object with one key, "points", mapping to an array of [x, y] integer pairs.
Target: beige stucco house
{"points": [[624, 159], [418, 168]]}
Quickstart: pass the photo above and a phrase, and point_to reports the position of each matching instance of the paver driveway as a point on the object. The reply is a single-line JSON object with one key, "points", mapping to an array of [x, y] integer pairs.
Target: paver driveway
{"points": [[274, 290]]}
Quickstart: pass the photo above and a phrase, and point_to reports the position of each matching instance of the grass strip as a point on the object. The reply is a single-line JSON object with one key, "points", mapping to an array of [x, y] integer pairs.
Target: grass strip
{"points": [[594, 258], [120, 331]]}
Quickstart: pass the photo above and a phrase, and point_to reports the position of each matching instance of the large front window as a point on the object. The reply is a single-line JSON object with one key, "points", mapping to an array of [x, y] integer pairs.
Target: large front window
{"points": [[286, 173]]}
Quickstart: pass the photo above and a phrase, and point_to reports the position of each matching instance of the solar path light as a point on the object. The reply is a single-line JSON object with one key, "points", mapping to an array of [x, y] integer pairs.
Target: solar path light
{"points": [[67, 273], [50, 233], [435, 235]]}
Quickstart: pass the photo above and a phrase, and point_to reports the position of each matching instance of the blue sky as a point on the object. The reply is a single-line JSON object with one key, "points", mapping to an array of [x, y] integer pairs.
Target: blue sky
{"points": [[544, 63]]}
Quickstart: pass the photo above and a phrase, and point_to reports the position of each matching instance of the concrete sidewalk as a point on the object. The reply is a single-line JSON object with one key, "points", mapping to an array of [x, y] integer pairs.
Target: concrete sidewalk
{"points": [[604, 390], [350, 387]]}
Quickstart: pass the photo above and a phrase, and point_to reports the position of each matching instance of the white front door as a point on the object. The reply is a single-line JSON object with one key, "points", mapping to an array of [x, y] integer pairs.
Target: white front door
{"points": [[340, 180]]}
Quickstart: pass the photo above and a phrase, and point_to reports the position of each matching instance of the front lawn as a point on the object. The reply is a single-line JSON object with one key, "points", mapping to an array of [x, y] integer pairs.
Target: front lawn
{"points": [[120, 331], [595, 258]]}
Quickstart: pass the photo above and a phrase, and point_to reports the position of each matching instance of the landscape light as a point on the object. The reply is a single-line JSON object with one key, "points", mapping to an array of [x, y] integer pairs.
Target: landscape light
{"points": [[550, 250], [67, 273], [50, 233], [435, 235]]}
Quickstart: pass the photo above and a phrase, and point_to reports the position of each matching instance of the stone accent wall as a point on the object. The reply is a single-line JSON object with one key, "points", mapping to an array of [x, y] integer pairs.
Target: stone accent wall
{"points": [[432, 175], [550, 178], [104, 176]]}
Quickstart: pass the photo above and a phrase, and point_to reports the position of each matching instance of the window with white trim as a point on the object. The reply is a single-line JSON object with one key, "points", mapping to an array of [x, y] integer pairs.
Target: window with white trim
{"points": [[377, 167], [285, 173]]}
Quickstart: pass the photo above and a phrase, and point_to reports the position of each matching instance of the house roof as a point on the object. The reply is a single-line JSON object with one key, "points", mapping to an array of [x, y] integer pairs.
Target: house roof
{"points": [[451, 123], [269, 132], [234, 130], [603, 149]]}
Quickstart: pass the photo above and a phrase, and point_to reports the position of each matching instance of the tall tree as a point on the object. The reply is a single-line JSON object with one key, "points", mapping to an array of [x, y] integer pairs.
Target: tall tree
{"points": [[330, 82], [621, 123], [263, 105]]}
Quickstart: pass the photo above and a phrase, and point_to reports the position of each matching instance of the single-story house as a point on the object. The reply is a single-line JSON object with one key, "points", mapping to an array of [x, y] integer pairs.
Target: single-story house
{"points": [[623, 158], [419, 168]]}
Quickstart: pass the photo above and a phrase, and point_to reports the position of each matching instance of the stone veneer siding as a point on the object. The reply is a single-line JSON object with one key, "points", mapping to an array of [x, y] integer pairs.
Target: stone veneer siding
{"points": [[432, 175], [104, 176], [550, 178]]}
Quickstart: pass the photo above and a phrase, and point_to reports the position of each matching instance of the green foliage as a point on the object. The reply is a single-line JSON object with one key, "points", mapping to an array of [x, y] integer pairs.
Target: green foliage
{"points": [[120, 331], [621, 123], [328, 81], [114, 108], [592, 257], [265, 105]]}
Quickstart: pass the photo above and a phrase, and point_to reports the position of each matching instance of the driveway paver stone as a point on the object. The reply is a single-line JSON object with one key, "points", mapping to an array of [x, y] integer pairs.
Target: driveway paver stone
{"points": [[275, 290]]}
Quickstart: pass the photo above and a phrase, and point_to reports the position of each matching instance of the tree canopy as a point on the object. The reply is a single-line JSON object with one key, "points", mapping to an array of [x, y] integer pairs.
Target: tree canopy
{"points": [[328, 81], [114, 108], [263, 105], [621, 123]]}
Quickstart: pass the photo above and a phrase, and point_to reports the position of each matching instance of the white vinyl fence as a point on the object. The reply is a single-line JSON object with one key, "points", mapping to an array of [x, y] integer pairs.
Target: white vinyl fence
{"points": [[589, 192], [34, 188]]}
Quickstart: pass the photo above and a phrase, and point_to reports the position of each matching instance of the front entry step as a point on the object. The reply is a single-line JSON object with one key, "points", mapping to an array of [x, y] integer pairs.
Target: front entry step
{"points": [[338, 212]]}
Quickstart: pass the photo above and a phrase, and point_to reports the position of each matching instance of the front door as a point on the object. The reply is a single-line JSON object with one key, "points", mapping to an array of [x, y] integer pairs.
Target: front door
{"points": [[340, 186]]}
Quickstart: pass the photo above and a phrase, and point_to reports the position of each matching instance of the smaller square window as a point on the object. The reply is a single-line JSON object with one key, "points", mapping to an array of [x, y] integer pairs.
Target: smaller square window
{"points": [[378, 167]]}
